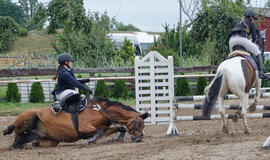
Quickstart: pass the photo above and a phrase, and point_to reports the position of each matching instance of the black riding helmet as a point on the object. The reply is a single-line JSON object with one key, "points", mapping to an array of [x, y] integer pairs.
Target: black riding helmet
{"points": [[64, 57], [250, 13]]}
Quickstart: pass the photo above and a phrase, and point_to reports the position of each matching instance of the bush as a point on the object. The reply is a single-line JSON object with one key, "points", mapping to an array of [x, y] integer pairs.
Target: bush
{"points": [[201, 84], [102, 89], [13, 94], [51, 29], [36, 93], [182, 87], [8, 31], [131, 94], [120, 89], [23, 32], [82, 91]]}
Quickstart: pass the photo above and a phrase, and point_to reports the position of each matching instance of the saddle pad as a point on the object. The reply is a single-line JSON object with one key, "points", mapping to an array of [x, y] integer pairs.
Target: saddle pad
{"points": [[245, 55], [238, 53]]}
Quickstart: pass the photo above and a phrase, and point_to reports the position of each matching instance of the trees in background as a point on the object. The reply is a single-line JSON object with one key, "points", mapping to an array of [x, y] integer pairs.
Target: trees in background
{"points": [[8, 32], [212, 26], [207, 31], [29, 8], [168, 44], [7, 8], [119, 26], [39, 18]]}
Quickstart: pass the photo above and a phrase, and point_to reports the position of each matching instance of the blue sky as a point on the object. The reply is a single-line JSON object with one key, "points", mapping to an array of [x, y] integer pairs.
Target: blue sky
{"points": [[148, 15]]}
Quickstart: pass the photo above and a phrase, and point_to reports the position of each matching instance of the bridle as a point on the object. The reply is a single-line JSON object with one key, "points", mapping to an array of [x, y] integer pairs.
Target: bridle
{"points": [[135, 122]]}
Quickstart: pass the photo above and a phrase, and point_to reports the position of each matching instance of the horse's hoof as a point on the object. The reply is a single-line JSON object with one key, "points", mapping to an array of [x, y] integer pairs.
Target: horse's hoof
{"points": [[85, 142], [35, 143], [120, 139], [235, 117], [252, 108], [225, 130], [247, 131]]}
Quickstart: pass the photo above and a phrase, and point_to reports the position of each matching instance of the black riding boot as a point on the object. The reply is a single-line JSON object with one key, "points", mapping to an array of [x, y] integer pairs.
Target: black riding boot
{"points": [[260, 68]]}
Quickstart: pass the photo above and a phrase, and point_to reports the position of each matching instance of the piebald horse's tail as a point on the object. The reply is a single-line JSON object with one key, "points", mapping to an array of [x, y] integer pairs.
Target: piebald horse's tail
{"points": [[25, 121], [212, 92]]}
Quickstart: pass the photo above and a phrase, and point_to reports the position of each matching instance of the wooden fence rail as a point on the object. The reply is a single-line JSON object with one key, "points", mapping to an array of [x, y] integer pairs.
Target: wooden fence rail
{"points": [[17, 72]]}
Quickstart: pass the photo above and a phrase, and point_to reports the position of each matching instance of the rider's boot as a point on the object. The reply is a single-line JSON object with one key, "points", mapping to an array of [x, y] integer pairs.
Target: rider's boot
{"points": [[260, 68]]}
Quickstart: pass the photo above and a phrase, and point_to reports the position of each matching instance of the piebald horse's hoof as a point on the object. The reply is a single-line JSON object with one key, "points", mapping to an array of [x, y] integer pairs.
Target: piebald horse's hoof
{"points": [[225, 130], [252, 108], [235, 117], [247, 131]]}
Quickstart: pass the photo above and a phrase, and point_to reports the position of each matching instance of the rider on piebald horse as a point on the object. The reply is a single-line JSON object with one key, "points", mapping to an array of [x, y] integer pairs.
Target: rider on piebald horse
{"points": [[66, 81], [244, 34]]}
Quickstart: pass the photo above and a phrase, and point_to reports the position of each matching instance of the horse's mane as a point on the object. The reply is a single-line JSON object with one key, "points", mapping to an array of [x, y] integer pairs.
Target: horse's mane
{"points": [[110, 103]]}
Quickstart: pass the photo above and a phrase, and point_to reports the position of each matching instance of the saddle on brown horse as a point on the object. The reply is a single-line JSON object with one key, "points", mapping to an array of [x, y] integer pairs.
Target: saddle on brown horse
{"points": [[43, 128]]}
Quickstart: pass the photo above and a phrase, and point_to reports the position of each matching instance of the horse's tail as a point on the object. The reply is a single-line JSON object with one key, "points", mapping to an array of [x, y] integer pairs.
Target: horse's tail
{"points": [[23, 123], [212, 92]]}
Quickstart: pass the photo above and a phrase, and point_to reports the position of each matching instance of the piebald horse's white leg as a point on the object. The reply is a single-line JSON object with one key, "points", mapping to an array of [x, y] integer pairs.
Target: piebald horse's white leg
{"points": [[222, 114], [244, 105]]}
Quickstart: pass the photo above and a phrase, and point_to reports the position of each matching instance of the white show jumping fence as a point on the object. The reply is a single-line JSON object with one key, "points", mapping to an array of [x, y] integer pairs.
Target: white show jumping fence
{"points": [[154, 82], [227, 107], [148, 94], [226, 97]]}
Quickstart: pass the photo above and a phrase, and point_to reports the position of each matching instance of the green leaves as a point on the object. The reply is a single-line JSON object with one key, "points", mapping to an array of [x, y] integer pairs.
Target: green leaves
{"points": [[127, 51], [8, 32], [7, 8], [12, 94], [214, 22], [36, 93], [168, 44], [39, 18]]}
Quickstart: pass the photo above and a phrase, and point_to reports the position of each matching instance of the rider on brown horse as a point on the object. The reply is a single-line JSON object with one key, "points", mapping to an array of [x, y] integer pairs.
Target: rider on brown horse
{"points": [[66, 81]]}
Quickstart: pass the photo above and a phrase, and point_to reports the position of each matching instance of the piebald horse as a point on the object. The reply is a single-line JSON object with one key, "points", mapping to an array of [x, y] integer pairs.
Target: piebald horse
{"points": [[44, 129], [237, 75]]}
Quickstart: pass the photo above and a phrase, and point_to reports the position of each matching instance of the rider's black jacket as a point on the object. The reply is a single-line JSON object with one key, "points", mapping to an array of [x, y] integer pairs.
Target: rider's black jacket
{"points": [[67, 80], [240, 29]]}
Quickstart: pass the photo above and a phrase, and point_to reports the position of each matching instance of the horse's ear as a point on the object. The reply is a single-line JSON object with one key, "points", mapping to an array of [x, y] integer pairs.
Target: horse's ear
{"points": [[145, 115]]}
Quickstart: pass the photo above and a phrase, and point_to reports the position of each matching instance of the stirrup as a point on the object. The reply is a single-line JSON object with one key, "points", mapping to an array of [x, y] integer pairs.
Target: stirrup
{"points": [[56, 108], [264, 76]]}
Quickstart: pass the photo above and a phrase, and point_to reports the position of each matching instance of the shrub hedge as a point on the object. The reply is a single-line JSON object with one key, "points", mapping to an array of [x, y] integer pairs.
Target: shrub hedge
{"points": [[201, 84], [36, 93], [102, 89], [12, 94], [120, 89], [182, 87]]}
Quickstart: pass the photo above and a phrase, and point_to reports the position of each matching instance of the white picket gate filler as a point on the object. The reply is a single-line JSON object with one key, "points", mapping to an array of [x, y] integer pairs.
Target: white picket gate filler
{"points": [[154, 82], [266, 144]]}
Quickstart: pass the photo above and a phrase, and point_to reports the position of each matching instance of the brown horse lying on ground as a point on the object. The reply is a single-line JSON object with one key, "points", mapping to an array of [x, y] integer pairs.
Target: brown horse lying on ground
{"points": [[44, 129]]}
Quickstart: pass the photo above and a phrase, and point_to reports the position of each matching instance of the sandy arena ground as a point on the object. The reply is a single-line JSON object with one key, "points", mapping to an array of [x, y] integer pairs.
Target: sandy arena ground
{"points": [[197, 140]]}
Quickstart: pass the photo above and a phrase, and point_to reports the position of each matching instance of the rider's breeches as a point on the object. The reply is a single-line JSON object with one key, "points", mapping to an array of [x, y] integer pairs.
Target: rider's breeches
{"points": [[246, 43], [63, 94]]}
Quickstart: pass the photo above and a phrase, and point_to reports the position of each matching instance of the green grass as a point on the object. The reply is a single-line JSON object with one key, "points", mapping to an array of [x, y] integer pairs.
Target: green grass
{"points": [[38, 42], [7, 108], [3, 90]]}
